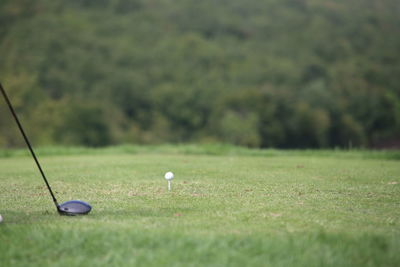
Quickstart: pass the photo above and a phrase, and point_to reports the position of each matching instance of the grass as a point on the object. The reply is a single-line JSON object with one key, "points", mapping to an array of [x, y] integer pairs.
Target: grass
{"points": [[229, 207], [210, 149]]}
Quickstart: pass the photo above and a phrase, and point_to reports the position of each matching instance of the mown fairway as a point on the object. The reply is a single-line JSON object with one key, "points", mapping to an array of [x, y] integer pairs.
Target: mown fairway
{"points": [[240, 209]]}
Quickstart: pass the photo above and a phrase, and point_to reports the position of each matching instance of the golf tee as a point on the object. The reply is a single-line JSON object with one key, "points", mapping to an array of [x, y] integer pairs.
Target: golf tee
{"points": [[169, 185]]}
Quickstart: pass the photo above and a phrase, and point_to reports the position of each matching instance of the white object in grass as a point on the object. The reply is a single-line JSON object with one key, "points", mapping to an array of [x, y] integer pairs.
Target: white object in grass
{"points": [[1, 218], [169, 176]]}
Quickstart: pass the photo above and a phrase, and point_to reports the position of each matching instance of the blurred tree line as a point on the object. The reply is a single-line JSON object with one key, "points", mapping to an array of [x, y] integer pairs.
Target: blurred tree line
{"points": [[258, 73]]}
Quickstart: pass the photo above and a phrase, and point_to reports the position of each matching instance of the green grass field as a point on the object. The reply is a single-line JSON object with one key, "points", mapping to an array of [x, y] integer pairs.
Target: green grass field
{"points": [[228, 207]]}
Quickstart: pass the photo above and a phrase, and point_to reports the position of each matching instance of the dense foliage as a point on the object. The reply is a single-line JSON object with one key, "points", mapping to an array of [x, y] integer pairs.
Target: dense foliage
{"points": [[271, 73]]}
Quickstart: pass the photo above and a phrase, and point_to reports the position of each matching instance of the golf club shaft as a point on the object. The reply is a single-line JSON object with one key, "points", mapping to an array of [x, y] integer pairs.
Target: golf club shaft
{"points": [[27, 143]]}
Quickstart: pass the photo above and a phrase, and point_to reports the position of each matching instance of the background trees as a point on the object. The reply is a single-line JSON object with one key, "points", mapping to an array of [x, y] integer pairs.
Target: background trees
{"points": [[293, 73]]}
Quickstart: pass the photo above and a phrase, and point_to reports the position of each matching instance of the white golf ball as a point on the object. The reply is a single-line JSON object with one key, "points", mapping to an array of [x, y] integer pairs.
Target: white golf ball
{"points": [[1, 218], [169, 176]]}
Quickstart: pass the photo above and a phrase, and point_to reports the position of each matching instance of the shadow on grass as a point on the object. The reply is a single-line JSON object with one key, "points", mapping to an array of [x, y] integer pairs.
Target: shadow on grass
{"points": [[160, 212], [49, 216], [26, 217]]}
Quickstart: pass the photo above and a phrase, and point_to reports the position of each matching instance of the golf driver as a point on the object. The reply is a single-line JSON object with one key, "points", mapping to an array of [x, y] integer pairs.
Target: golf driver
{"points": [[72, 207]]}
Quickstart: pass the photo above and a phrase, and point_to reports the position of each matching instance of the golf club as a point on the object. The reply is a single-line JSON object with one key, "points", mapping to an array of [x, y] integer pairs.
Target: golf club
{"points": [[72, 207]]}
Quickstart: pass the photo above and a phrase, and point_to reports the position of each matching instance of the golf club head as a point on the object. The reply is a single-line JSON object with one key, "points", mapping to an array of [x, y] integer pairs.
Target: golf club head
{"points": [[74, 207]]}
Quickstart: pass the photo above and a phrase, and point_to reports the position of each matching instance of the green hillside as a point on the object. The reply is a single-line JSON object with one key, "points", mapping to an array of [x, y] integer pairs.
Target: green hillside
{"points": [[276, 73]]}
